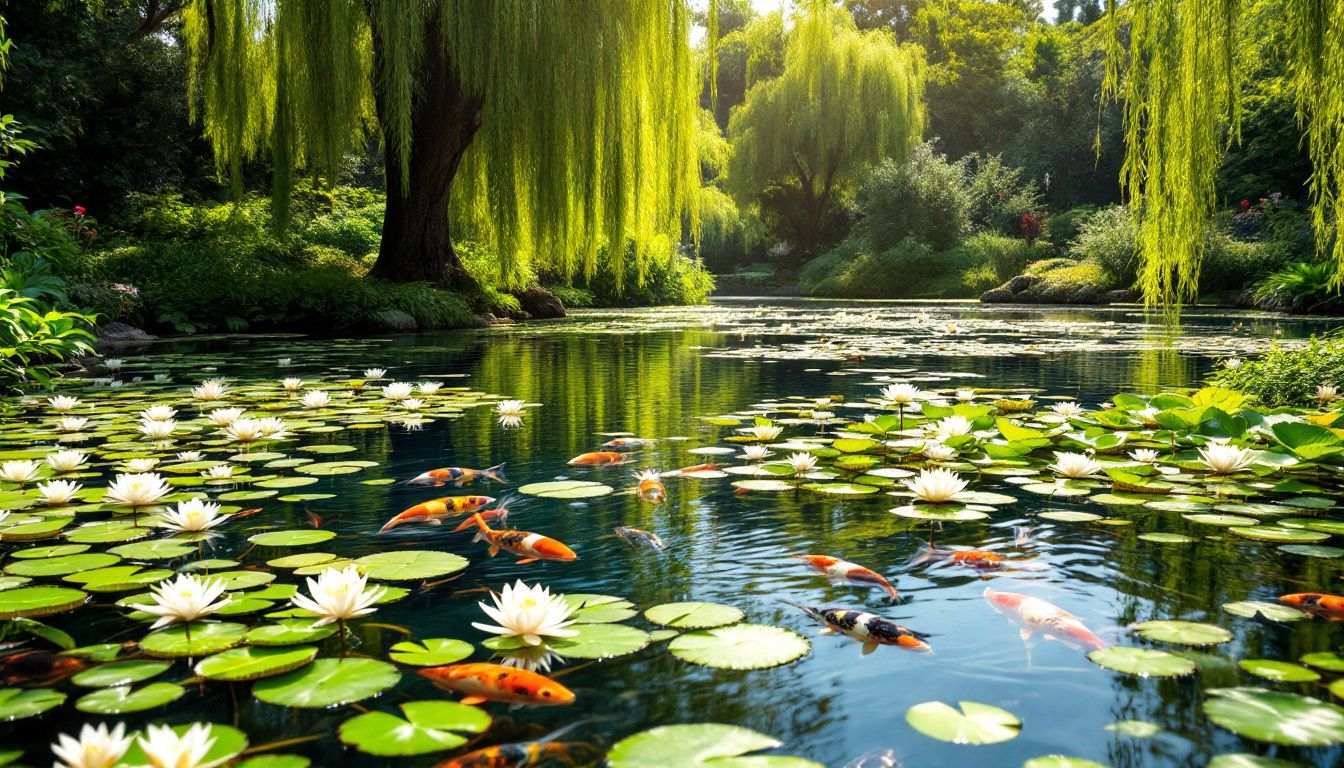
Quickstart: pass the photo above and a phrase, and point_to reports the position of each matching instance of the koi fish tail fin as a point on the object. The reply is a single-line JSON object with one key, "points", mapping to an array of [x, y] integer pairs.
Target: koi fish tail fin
{"points": [[480, 524], [812, 612], [390, 524], [927, 556], [496, 473]]}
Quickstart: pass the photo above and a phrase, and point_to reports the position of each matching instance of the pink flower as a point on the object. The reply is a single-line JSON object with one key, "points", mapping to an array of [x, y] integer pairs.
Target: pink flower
{"points": [[80, 210]]}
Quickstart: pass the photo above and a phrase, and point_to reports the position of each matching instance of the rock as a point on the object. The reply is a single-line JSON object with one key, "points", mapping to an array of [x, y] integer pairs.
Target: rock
{"points": [[539, 303], [392, 320], [1035, 289], [1122, 296], [1021, 283], [121, 333], [997, 296], [493, 320]]}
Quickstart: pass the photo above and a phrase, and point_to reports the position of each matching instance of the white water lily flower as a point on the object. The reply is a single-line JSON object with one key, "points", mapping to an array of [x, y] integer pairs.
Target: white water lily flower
{"points": [[211, 389], [765, 431], [1145, 455], [63, 403], [900, 394], [1327, 393], [936, 486], [193, 515], [397, 390], [375, 373], [429, 387], [284, 362], [755, 452], [141, 465], [72, 423], [245, 430], [510, 407], [1224, 459], [315, 398], [965, 395], [113, 363], [531, 614], [95, 748], [1075, 464], [802, 463], [160, 377], [533, 658], [137, 490], [58, 492], [951, 426], [184, 599], [158, 413], [19, 471], [950, 328], [1232, 363], [158, 430], [938, 451], [508, 422], [339, 595], [412, 403], [218, 472], [66, 460], [822, 416], [223, 417], [165, 749], [273, 427], [292, 384], [188, 456], [1068, 409]]}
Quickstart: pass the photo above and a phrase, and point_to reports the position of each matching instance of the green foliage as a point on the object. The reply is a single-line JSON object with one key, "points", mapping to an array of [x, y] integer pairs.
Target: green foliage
{"points": [[32, 336], [1301, 287], [999, 196], [676, 279], [1285, 376], [572, 297], [924, 198], [1232, 265], [909, 269], [1064, 227], [1008, 256], [1107, 238]]}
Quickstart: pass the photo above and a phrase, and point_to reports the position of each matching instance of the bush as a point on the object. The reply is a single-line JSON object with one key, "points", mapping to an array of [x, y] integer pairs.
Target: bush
{"points": [[1288, 376], [997, 195], [675, 278], [1235, 265], [1064, 227], [1107, 239], [911, 269], [923, 198], [1008, 256], [1301, 287], [571, 297]]}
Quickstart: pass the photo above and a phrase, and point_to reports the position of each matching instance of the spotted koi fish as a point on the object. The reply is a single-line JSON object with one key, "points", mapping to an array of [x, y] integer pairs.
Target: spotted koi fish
{"points": [[651, 488], [1329, 607], [597, 459], [434, 511], [867, 628], [531, 547], [640, 538], [975, 558], [482, 682], [684, 471], [499, 514], [523, 754], [842, 571], [458, 476], [1036, 615], [37, 668], [627, 443]]}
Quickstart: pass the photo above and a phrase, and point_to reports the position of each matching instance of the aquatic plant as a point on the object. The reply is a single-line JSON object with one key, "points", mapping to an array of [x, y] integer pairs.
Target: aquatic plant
{"points": [[531, 614]]}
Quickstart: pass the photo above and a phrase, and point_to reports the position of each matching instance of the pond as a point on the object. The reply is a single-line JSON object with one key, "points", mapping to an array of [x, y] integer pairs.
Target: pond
{"points": [[691, 379]]}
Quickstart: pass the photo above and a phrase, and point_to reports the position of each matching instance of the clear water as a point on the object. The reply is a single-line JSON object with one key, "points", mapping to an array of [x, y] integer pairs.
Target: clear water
{"points": [[653, 373]]}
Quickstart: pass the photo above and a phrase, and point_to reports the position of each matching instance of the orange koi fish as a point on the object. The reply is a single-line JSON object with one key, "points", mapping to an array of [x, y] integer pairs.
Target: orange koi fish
{"points": [[597, 459], [482, 682], [627, 443], [37, 668], [435, 510], [458, 476], [1329, 607], [842, 571], [500, 513], [530, 546], [975, 558], [1036, 615], [640, 538], [651, 488], [691, 470], [521, 754], [867, 628]]}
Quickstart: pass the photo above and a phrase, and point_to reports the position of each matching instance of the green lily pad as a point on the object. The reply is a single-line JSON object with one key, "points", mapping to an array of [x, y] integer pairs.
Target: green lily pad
{"points": [[301, 560], [1183, 632], [294, 538], [841, 489], [693, 615], [593, 641], [1278, 535], [740, 646], [39, 601], [700, 745], [276, 761], [1137, 729], [1243, 760], [107, 533], [1143, 662], [410, 565], [431, 652], [121, 699], [16, 703], [1312, 550], [947, 513], [1226, 521], [973, 723], [1272, 611], [1068, 516], [159, 549], [1276, 717], [429, 726], [1330, 662], [289, 632], [763, 485], [1162, 537], [598, 609], [253, 663], [328, 683], [207, 637], [1061, 761], [51, 550], [229, 743], [118, 673], [1279, 671], [566, 489], [34, 531], [61, 566]]}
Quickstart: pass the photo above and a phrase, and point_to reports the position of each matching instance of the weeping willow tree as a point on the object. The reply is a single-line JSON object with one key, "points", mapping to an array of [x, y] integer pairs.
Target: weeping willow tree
{"points": [[1178, 66], [844, 100], [561, 131]]}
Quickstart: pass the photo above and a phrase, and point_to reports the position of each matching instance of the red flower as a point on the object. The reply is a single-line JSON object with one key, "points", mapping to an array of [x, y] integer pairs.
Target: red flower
{"points": [[80, 210], [1245, 204]]}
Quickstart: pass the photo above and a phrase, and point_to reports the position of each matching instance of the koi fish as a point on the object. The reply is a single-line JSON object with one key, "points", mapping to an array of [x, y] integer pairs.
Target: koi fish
{"points": [[975, 558], [435, 510], [691, 470], [530, 546], [458, 476], [867, 628], [638, 538], [1023, 535], [651, 488], [597, 459], [500, 513], [842, 571], [627, 443], [482, 682], [520, 754], [37, 668], [1329, 607], [1036, 615]]}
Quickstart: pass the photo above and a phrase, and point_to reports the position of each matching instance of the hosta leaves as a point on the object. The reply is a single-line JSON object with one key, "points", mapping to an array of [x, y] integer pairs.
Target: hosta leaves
{"points": [[428, 726], [702, 745], [972, 723]]}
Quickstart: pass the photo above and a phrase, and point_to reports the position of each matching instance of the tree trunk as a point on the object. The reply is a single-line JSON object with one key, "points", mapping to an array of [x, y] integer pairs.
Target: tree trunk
{"points": [[417, 244]]}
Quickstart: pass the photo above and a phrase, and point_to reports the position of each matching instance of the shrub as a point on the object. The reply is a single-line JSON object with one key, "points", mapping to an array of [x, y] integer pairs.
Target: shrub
{"points": [[1007, 255], [911, 269], [675, 278], [923, 198], [997, 195], [571, 297], [1235, 265], [33, 336], [1301, 287], [1107, 238], [1062, 228], [1288, 376]]}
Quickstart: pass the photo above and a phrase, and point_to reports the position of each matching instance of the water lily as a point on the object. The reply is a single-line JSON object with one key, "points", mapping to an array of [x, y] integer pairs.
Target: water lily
{"points": [[755, 452], [218, 472], [57, 492], [1148, 416], [315, 398], [19, 471], [412, 403], [965, 395], [533, 658], [1067, 409], [936, 451], [397, 390], [71, 423], [187, 457], [165, 749], [1327, 393], [141, 465], [1232, 363], [1225, 459], [211, 389], [1145, 455], [765, 432], [246, 430], [510, 407], [531, 614], [802, 463], [137, 490], [63, 403], [936, 486], [284, 362], [96, 747], [429, 387], [66, 460], [900, 394], [272, 427], [158, 430], [292, 384], [951, 426], [223, 417], [375, 373], [185, 599], [339, 595], [113, 363], [193, 515], [1075, 464], [158, 413], [951, 328]]}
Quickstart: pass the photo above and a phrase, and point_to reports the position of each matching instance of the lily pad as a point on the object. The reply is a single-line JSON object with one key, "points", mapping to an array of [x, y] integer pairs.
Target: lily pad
{"points": [[328, 683], [740, 646], [1163, 537], [1279, 671], [973, 723], [1143, 662], [253, 663], [700, 745], [61, 566], [429, 726], [119, 673], [599, 609], [693, 615], [1278, 535], [566, 489], [410, 565], [1183, 632], [1330, 662], [1276, 717], [1068, 516], [431, 652], [16, 703], [294, 538], [39, 601], [206, 638], [289, 632], [1272, 611], [1243, 760], [121, 699]]}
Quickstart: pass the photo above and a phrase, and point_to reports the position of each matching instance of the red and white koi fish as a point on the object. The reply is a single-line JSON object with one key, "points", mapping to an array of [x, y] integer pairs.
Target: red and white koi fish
{"points": [[1329, 607], [691, 470], [499, 515], [867, 628], [458, 476], [651, 488], [434, 511], [522, 754], [531, 547], [598, 459], [1036, 615], [483, 682], [640, 538], [627, 443], [975, 558], [842, 571]]}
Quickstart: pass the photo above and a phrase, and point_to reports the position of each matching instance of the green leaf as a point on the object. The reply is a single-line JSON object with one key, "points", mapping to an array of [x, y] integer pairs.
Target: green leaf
{"points": [[289, 632], [431, 652], [16, 703], [410, 565], [206, 638], [1279, 671], [566, 489], [121, 699], [429, 726], [294, 538], [1276, 717], [56, 637], [229, 743], [253, 663], [1330, 662], [328, 683], [39, 601], [599, 609], [973, 723], [693, 615], [1143, 662], [740, 646], [701, 745], [61, 566], [1183, 632], [1242, 760], [119, 673], [1272, 611]]}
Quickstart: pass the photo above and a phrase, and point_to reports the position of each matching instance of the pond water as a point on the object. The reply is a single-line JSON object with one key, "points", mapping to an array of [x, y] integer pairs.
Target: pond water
{"points": [[656, 374]]}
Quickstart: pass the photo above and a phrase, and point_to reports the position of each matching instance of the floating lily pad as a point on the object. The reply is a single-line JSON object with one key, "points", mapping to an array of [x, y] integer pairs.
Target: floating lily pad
{"points": [[229, 742], [1068, 516], [410, 565], [431, 652], [693, 615], [1272, 611], [121, 699], [1143, 662], [294, 538], [740, 646], [328, 683], [700, 745], [61, 566], [1276, 717], [566, 489], [1061, 761], [253, 663], [1243, 760], [289, 632], [1279, 535], [973, 723], [1279, 671], [1162, 537], [1183, 632], [599, 609], [207, 637], [119, 673], [301, 560], [1330, 662], [429, 726], [39, 601], [763, 485], [948, 513], [1138, 729], [1312, 550], [276, 761], [841, 489], [16, 703], [592, 641], [52, 550], [1226, 521]]}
